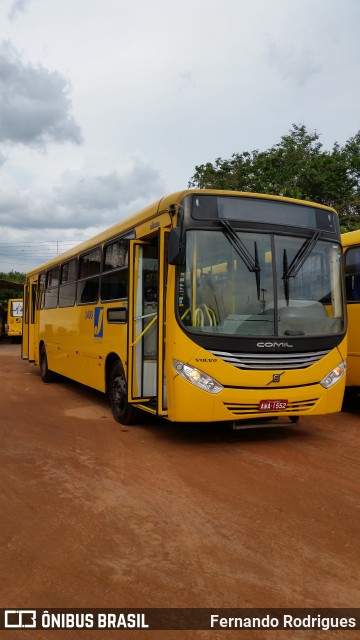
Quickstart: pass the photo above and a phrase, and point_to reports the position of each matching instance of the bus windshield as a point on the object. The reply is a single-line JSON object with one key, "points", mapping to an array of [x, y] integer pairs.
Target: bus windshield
{"points": [[260, 284], [16, 310]]}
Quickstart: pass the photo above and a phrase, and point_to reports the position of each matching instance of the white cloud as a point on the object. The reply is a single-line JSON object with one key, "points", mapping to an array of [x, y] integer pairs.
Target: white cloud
{"points": [[99, 194], [35, 106], [295, 64], [17, 6], [80, 200], [77, 207], [153, 89]]}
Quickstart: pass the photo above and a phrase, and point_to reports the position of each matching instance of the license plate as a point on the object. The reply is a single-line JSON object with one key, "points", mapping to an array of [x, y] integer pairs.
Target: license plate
{"points": [[272, 405]]}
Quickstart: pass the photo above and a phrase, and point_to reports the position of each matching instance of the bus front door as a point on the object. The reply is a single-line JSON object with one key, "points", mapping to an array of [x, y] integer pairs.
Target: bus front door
{"points": [[146, 325], [30, 327]]}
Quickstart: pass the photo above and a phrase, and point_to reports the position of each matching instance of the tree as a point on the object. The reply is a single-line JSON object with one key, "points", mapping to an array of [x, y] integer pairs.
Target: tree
{"points": [[296, 167], [8, 292], [13, 276]]}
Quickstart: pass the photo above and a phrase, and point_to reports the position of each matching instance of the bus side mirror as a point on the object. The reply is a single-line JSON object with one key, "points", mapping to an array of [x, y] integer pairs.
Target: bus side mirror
{"points": [[176, 247]]}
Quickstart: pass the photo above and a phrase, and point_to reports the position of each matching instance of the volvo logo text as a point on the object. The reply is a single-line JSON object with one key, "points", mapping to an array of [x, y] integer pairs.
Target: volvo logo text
{"points": [[278, 345]]}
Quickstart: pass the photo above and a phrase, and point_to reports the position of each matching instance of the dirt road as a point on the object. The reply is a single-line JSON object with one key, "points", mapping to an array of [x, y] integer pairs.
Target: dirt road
{"points": [[94, 514]]}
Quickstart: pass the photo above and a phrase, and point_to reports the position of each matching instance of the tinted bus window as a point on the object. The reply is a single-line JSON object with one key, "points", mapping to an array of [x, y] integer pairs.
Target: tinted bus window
{"points": [[67, 289], [114, 280], [51, 292], [89, 276], [90, 264], [352, 274]]}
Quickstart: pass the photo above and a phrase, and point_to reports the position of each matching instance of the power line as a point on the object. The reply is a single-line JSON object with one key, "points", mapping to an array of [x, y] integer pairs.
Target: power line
{"points": [[27, 253], [49, 243], [34, 242]]}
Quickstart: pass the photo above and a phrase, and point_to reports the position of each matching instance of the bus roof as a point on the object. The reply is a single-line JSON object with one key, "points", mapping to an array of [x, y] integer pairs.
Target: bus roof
{"points": [[156, 208], [350, 238]]}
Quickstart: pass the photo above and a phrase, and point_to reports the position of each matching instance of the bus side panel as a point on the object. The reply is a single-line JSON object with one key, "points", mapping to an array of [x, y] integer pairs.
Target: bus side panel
{"points": [[351, 245], [67, 335], [78, 340], [353, 359]]}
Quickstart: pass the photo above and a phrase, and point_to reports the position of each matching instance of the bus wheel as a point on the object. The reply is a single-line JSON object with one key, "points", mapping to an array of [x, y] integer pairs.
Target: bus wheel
{"points": [[46, 374], [123, 412]]}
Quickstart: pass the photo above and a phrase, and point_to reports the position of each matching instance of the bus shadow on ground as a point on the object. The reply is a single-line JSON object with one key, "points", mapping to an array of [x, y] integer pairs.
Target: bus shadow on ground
{"points": [[219, 432], [351, 403], [191, 432], [6, 340]]}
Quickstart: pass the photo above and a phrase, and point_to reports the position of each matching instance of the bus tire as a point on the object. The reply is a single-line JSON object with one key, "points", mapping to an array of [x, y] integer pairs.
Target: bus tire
{"points": [[122, 411], [46, 374]]}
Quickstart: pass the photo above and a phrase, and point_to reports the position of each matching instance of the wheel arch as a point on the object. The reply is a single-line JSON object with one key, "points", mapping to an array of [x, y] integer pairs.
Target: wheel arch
{"points": [[111, 358]]}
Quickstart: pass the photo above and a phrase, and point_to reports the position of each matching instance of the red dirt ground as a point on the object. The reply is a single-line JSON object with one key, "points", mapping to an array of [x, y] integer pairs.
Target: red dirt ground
{"points": [[94, 514]]}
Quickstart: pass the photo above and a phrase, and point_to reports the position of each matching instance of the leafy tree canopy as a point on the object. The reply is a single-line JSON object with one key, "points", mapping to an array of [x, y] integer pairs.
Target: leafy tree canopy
{"points": [[13, 276], [296, 167], [8, 292]]}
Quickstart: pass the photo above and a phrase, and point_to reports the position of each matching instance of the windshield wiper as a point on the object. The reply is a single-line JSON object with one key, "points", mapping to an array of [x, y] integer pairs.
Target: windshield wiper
{"points": [[286, 276], [301, 256], [258, 269], [245, 255], [290, 271]]}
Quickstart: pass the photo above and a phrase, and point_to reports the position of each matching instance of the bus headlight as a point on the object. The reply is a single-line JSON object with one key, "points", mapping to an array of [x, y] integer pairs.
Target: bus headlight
{"points": [[334, 376], [196, 377]]}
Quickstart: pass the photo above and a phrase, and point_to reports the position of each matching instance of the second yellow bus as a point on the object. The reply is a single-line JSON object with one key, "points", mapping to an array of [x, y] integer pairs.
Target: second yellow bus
{"points": [[351, 245], [13, 325]]}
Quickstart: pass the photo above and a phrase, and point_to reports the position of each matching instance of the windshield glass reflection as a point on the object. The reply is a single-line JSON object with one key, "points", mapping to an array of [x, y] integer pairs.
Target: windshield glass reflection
{"points": [[248, 288]]}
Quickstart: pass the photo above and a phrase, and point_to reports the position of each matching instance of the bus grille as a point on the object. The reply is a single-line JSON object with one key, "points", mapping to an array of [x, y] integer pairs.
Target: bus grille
{"points": [[246, 409], [271, 360]]}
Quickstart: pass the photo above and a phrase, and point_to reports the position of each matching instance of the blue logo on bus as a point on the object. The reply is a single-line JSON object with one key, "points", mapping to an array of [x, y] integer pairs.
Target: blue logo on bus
{"points": [[98, 322]]}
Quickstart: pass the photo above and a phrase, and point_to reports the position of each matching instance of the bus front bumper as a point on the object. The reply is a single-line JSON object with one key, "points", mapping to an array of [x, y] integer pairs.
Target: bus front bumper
{"points": [[191, 404]]}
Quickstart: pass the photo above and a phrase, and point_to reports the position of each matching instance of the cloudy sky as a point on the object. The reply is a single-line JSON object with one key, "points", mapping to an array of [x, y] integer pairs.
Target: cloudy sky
{"points": [[106, 105]]}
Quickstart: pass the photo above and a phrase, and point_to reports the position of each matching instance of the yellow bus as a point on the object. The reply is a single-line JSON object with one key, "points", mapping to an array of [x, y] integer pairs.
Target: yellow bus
{"points": [[13, 325], [205, 306], [351, 245]]}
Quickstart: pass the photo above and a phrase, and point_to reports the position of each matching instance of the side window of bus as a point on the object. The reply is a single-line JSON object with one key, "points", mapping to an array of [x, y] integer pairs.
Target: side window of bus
{"points": [[115, 277], [67, 288], [41, 291], [52, 288], [352, 274], [89, 276]]}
